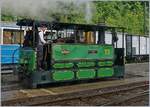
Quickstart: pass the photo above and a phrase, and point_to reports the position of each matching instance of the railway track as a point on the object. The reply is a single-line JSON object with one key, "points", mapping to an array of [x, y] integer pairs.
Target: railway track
{"points": [[77, 95], [128, 95], [129, 101], [139, 100], [106, 98], [94, 100], [14, 86]]}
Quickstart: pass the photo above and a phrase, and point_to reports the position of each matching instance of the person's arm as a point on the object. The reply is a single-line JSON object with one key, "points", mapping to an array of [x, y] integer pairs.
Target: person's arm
{"points": [[42, 37]]}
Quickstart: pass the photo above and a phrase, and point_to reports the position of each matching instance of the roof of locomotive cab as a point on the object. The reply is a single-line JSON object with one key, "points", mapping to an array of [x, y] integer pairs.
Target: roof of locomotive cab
{"points": [[60, 25]]}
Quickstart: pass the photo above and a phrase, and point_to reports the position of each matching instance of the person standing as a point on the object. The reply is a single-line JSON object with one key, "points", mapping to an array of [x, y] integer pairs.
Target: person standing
{"points": [[41, 43]]}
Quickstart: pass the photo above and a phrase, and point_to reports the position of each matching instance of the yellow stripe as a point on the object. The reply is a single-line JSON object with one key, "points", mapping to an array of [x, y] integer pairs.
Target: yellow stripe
{"points": [[48, 91], [25, 92]]}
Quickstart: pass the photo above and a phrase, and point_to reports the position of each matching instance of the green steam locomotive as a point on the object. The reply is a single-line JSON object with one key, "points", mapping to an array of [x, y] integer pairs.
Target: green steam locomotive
{"points": [[72, 52]]}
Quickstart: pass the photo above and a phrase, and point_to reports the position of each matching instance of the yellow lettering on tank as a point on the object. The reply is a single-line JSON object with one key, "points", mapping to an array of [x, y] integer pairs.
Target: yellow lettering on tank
{"points": [[106, 51]]}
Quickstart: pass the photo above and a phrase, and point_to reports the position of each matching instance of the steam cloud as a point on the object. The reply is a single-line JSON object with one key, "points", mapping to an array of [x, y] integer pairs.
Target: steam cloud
{"points": [[39, 9]]}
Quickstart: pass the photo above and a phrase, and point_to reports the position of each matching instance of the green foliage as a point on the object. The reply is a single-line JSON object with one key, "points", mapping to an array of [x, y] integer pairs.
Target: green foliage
{"points": [[128, 14], [123, 14]]}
